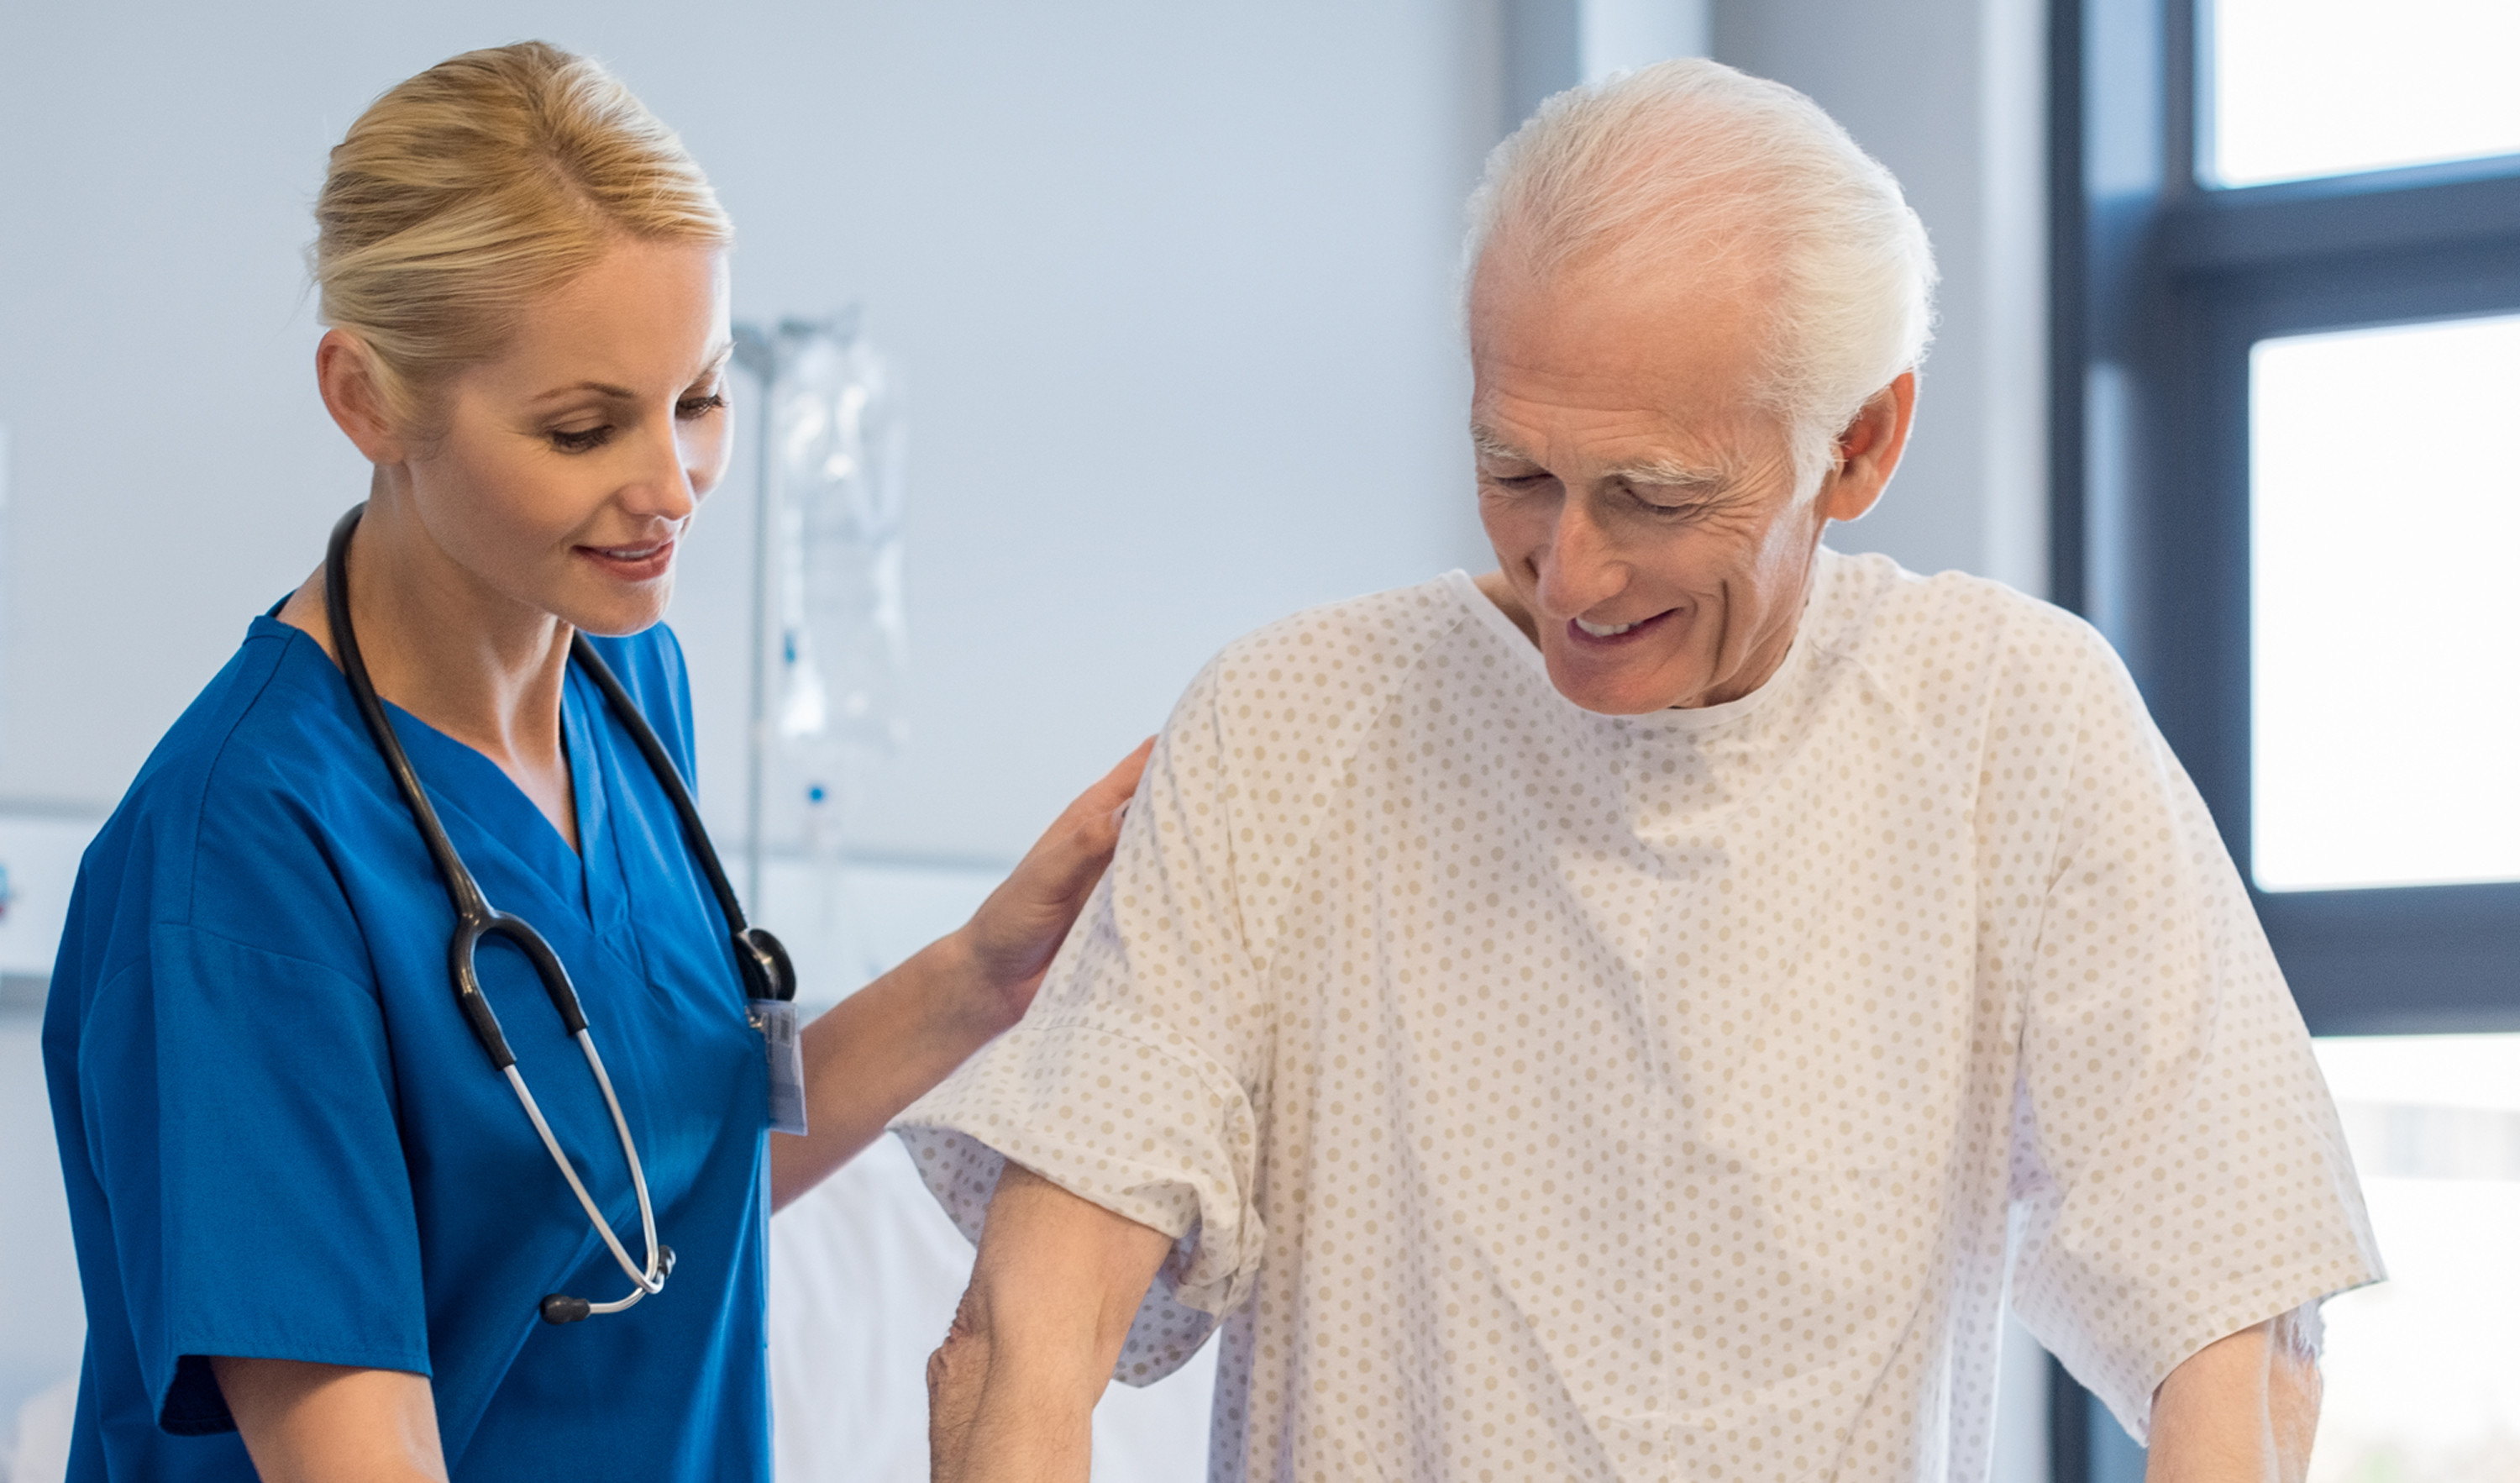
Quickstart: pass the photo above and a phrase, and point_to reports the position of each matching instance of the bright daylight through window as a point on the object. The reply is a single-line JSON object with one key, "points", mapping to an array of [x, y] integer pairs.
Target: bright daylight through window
{"points": [[2384, 518], [2325, 87], [2423, 1382]]}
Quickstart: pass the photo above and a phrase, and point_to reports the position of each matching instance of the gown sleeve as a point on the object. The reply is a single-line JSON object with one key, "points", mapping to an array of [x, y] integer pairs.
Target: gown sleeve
{"points": [[239, 1115], [1134, 1081], [2177, 1160]]}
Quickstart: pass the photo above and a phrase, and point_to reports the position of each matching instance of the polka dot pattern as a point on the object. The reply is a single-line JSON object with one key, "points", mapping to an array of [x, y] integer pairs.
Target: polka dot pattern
{"points": [[1533, 1093]]}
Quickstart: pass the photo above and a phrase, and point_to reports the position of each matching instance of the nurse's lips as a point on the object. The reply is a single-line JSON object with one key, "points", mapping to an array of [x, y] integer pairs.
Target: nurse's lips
{"points": [[632, 563]]}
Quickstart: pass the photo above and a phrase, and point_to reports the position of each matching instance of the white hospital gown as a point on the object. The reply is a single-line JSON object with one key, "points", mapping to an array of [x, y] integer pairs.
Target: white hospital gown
{"points": [[1535, 1094]]}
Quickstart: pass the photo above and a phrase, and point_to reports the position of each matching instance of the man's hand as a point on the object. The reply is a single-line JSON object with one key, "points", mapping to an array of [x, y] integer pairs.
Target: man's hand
{"points": [[1011, 1392], [2242, 1410]]}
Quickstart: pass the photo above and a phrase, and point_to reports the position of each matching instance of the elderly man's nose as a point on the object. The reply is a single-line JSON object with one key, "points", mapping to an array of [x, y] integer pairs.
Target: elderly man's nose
{"points": [[1579, 569]]}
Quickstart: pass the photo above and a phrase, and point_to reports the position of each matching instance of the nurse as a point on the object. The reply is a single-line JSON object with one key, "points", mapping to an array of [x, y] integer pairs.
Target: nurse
{"points": [[315, 1226]]}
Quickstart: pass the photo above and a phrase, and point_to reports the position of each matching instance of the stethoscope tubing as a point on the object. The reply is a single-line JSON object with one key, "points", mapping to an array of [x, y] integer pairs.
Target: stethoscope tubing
{"points": [[476, 919]]}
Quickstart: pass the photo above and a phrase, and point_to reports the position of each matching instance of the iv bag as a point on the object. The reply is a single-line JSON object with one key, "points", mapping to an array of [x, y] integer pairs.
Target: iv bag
{"points": [[840, 642]]}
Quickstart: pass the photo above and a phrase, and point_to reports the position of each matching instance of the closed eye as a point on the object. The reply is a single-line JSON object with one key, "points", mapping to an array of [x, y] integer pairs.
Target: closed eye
{"points": [[694, 408], [1680, 511]]}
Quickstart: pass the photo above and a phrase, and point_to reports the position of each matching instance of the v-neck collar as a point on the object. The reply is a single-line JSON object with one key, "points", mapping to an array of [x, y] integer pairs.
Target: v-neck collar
{"points": [[588, 882], [596, 781]]}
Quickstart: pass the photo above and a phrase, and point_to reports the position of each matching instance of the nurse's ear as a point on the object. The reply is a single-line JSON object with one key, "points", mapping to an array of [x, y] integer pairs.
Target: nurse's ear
{"points": [[353, 387]]}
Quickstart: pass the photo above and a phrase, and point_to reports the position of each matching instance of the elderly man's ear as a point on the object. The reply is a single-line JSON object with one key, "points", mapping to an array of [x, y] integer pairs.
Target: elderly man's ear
{"points": [[1868, 451]]}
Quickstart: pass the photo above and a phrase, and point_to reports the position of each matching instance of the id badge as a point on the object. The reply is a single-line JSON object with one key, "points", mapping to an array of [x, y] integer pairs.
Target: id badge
{"points": [[776, 1019]]}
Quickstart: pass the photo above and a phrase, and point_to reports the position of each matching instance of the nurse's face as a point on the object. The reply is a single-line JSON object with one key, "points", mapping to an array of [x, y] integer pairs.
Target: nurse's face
{"points": [[561, 475], [1642, 507]]}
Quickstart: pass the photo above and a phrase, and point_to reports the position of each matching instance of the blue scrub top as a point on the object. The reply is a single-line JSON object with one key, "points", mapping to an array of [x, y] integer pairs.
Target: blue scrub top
{"points": [[282, 1141]]}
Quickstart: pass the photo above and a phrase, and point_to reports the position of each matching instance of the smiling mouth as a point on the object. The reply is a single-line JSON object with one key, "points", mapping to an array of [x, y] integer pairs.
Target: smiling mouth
{"points": [[635, 562], [1589, 633]]}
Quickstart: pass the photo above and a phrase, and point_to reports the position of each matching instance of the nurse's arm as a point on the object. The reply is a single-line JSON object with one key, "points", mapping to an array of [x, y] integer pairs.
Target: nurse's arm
{"points": [[1011, 1393], [311, 1422], [884, 1046]]}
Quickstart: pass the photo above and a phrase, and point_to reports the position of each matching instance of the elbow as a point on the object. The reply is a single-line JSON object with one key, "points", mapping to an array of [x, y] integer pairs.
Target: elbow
{"points": [[957, 1375]]}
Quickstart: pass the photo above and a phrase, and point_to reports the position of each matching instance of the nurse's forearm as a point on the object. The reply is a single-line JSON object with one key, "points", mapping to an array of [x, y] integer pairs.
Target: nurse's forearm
{"points": [[876, 1051], [311, 1422]]}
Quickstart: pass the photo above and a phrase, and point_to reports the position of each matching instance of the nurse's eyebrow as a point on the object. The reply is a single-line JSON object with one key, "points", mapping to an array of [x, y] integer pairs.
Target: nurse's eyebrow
{"points": [[708, 369], [600, 388]]}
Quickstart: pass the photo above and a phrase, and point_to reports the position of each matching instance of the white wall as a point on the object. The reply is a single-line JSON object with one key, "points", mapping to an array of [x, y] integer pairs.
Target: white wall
{"points": [[1171, 286]]}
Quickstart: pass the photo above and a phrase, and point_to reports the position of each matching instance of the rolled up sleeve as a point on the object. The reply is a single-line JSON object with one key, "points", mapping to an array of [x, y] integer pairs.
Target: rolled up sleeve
{"points": [[2177, 1162], [1138, 1080]]}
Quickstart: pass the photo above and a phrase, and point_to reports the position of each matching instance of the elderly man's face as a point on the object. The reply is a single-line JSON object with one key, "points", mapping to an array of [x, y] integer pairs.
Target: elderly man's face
{"points": [[1643, 512]]}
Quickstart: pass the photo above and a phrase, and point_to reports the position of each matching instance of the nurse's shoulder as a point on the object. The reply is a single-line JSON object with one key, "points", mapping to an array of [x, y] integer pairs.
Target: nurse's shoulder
{"points": [[235, 824]]}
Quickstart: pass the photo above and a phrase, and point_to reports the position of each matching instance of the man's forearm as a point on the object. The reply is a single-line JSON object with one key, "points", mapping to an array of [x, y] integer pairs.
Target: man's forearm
{"points": [[1011, 1392], [1016, 1421], [2242, 1410]]}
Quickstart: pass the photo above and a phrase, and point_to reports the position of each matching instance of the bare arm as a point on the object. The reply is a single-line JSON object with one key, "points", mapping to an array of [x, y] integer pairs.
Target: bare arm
{"points": [[2242, 1410], [311, 1422], [1011, 1392], [883, 1047]]}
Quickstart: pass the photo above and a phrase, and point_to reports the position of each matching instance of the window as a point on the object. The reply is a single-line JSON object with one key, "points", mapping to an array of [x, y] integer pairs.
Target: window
{"points": [[2383, 644], [2301, 88], [2286, 238], [2422, 1378]]}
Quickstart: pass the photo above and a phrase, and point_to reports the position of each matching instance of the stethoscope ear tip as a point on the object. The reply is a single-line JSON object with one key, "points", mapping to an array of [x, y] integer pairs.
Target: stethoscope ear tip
{"points": [[561, 1308]]}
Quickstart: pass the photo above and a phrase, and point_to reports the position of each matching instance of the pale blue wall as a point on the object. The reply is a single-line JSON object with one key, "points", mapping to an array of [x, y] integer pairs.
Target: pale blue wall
{"points": [[1171, 285]]}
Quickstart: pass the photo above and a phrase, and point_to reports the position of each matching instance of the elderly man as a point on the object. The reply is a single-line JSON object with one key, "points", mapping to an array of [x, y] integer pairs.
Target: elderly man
{"points": [[1630, 1016]]}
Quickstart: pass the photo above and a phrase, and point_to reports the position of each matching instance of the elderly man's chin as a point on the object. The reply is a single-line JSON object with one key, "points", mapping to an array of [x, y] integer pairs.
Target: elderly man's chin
{"points": [[1648, 672]]}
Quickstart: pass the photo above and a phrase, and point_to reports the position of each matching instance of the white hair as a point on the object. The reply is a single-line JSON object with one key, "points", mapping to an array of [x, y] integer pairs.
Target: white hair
{"points": [[1689, 167]]}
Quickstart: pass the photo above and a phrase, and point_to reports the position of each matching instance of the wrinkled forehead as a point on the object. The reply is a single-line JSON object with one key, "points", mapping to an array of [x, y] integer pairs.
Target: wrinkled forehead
{"points": [[1684, 340]]}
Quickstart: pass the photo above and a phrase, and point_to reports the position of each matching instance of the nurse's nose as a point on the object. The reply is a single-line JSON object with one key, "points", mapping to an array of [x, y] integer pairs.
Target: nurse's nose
{"points": [[665, 485]]}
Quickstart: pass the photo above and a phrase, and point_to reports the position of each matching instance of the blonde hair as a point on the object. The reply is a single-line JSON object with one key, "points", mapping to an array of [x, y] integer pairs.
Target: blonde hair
{"points": [[1692, 166], [486, 181]]}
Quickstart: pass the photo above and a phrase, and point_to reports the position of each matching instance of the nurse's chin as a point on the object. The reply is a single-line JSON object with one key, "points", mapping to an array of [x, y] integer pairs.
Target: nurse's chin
{"points": [[617, 619]]}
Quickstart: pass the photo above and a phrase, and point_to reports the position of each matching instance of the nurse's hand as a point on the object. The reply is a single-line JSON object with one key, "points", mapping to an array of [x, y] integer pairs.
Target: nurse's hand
{"points": [[1014, 935], [883, 1047]]}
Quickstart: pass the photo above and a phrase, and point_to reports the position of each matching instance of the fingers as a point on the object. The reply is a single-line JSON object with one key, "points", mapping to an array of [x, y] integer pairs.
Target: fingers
{"points": [[1100, 809], [1021, 925], [1120, 783]]}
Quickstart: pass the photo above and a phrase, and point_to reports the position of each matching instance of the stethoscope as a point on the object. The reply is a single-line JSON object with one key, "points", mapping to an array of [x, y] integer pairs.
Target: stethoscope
{"points": [[763, 964]]}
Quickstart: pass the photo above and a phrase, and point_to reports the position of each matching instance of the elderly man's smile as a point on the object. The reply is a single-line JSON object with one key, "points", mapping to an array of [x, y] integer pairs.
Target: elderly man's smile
{"points": [[1586, 634]]}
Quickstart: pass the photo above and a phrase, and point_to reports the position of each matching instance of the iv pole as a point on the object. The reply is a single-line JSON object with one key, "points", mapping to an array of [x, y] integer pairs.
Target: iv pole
{"points": [[791, 365], [757, 353]]}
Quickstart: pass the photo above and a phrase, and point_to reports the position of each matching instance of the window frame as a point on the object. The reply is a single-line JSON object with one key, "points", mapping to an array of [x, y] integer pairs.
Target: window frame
{"points": [[2160, 285]]}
